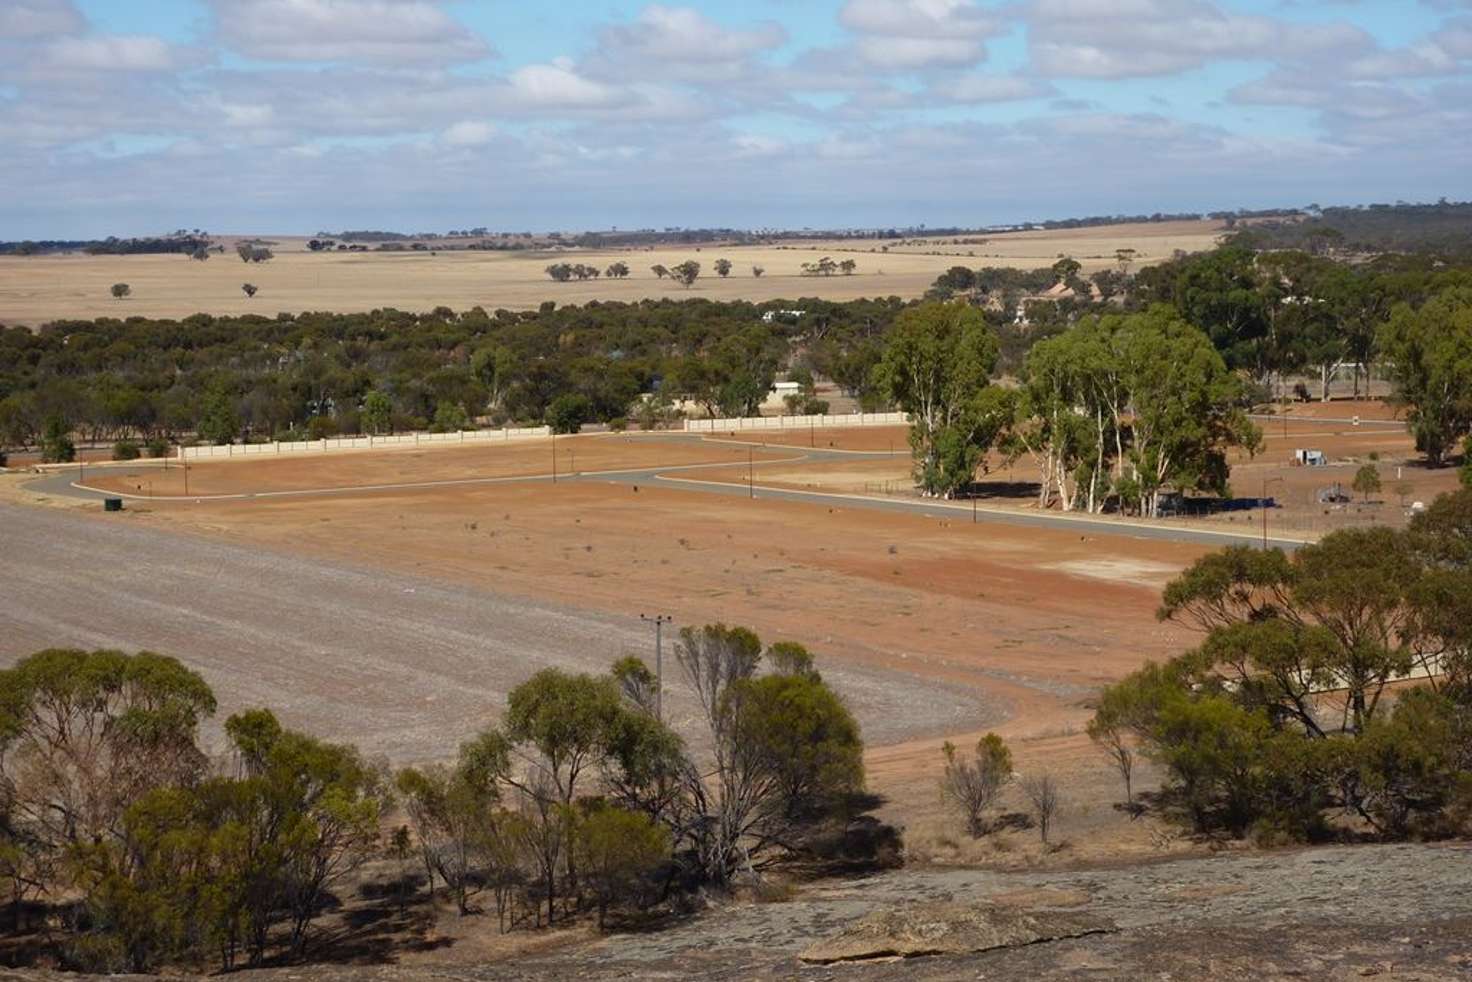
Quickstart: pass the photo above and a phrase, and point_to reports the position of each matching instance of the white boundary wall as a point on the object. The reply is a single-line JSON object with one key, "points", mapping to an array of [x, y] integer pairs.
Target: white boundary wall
{"points": [[794, 422], [236, 451]]}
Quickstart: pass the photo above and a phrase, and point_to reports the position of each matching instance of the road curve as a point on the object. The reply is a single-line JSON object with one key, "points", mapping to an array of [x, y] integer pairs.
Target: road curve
{"points": [[62, 483]]}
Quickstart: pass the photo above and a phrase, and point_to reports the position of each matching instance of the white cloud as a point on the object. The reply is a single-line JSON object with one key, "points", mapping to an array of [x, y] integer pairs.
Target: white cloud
{"points": [[109, 53], [1111, 39], [1455, 38], [917, 35], [936, 19], [468, 133], [559, 86], [902, 53], [686, 35], [381, 32], [975, 88], [25, 19]]}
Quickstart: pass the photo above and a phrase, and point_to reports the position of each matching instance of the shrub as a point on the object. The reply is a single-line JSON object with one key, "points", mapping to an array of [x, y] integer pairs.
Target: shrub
{"points": [[56, 442], [618, 424], [126, 450], [321, 427], [972, 786], [450, 417], [568, 412], [157, 446]]}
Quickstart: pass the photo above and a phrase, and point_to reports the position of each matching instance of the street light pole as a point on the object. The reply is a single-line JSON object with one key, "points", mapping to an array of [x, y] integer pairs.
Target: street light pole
{"points": [[750, 480], [659, 621]]}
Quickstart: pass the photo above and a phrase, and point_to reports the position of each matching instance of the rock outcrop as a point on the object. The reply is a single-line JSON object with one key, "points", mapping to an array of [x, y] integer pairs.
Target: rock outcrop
{"points": [[949, 929]]}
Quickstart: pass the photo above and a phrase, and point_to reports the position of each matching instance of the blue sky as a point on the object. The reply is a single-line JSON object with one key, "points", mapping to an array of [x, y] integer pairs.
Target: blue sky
{"points": [[138, 116]]}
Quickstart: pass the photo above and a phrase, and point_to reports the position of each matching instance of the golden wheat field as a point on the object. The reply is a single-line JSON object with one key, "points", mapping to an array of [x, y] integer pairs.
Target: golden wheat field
{"points": [[37, 289]]}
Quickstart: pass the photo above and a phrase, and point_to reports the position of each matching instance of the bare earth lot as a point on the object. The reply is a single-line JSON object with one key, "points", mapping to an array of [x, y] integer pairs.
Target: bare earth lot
{"points": [[34, 290], [931, 627]]}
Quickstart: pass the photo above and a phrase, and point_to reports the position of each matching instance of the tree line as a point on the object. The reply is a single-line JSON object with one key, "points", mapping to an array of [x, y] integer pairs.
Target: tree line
{"points": [[581, 800], [220, 379], [1084, 387]]}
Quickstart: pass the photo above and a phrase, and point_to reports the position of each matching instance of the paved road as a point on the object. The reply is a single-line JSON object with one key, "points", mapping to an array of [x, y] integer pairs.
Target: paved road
{"points": [[401, 665], [684, 478]]}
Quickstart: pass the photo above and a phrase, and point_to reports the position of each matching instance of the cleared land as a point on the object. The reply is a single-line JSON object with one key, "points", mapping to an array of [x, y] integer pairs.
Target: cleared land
{"points": [[399, 619], [930, 627], [533, 458], [37, 289]]}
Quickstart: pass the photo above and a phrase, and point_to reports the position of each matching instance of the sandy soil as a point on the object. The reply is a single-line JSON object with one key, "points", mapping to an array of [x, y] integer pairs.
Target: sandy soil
{"points": [[36, 289], [527, 458], [932, 628]]}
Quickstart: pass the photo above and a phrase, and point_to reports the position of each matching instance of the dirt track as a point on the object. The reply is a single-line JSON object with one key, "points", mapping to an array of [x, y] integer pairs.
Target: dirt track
{"points": [[400, 664]]}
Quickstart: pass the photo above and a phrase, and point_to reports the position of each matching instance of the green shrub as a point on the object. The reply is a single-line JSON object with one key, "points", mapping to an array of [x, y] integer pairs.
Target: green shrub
{"points": [[450, 417], [56, 443], [126, 450], [321, 427], [157, 446], [568, 412]]}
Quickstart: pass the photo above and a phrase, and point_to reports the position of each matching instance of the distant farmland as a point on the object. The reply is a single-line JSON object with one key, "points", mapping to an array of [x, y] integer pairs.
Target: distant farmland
{"points": [[37, 289]]}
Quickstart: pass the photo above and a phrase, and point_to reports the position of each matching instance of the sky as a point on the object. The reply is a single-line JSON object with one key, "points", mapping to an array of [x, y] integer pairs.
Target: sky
{"points": [[135, 117]]}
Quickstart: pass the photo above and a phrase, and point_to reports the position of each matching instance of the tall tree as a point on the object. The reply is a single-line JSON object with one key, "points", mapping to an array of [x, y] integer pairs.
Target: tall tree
{"points": [[937, 368], [1429, 351]]}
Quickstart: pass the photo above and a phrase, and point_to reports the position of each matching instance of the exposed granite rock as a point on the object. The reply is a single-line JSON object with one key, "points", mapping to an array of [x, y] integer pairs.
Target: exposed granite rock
{"points": [[949, 929]]}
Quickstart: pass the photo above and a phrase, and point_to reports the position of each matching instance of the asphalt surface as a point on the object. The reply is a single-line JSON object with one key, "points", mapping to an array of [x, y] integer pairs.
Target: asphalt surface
{"points": [[685, 478]]}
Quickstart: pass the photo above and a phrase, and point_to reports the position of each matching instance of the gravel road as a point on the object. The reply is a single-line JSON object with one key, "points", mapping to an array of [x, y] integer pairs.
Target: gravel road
{"points": [[403, 666]]}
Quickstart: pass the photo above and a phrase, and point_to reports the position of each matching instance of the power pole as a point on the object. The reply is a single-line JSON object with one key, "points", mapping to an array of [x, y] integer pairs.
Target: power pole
{"points": [[659, 621]]}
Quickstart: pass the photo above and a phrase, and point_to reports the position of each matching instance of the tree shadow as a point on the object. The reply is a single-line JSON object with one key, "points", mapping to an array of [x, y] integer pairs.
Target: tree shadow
{"points": [[999, 490]]}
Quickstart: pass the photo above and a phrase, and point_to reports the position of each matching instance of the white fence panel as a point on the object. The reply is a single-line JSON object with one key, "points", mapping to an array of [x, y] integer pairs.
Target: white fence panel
{"points": [[232, 451], [793, 422]]}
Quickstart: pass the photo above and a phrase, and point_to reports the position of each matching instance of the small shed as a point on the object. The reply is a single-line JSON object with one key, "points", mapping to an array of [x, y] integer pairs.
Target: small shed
{"points": [[1310, 458]]}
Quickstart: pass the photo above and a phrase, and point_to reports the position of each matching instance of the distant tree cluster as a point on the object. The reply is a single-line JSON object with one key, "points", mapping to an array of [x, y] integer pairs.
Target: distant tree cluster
{"points": [[563, 272], [182, 241], [827, 267], [1443, 228], [253, 253]]}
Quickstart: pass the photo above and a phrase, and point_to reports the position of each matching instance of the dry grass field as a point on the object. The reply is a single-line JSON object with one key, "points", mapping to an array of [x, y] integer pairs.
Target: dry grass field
{"points": [[34, 290]]}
